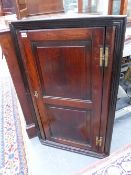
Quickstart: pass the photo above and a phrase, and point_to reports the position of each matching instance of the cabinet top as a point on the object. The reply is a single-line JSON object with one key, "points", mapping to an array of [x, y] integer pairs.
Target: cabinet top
{"points": [[69, 16], [67, 21]]}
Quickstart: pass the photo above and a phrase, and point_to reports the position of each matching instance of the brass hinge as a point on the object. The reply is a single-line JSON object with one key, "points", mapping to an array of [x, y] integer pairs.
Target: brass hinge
{"points": [[99, 141], [104, 56], [101, 56]]}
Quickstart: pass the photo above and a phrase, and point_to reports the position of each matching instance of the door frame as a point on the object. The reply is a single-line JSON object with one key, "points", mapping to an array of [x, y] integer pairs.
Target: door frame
{"points": [[119, 22]]}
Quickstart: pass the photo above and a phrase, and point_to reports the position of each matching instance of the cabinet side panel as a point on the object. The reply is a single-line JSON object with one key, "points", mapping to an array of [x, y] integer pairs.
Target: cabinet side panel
{"points": [[10, 55]]}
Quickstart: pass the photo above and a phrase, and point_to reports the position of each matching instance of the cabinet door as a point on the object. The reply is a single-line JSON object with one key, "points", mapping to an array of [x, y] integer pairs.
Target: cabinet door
{"points": [[63, 68]]}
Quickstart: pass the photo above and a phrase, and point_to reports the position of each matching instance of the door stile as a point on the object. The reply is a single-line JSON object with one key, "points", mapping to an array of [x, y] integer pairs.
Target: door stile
{"points": [[34, 84], [97, 112], [107, 75]]}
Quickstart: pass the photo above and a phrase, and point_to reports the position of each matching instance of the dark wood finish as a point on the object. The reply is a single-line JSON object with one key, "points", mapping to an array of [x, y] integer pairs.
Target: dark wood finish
{"points": [[23, 95], [44, 6], [110, 7], [123, 7], [116, 69], [71, 119], [27, 8]]}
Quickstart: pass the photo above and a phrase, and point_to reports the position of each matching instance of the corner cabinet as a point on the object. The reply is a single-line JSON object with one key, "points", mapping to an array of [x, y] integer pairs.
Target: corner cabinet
{"points": [[71, 68]]}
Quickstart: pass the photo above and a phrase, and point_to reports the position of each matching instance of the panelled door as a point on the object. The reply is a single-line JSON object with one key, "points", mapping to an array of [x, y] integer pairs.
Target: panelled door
{"points": [[65, 74]]}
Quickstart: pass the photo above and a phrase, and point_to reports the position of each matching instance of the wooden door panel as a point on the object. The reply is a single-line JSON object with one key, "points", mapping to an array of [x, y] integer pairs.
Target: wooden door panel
{"points": [[69, 81], [78, 130], [64, 69]]}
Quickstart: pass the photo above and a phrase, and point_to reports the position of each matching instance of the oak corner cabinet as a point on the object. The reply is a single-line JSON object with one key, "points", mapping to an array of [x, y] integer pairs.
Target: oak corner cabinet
{"points": [[70, 69]]}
